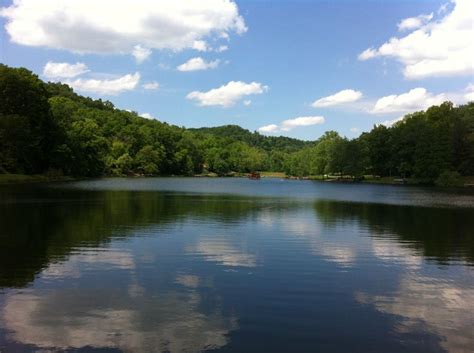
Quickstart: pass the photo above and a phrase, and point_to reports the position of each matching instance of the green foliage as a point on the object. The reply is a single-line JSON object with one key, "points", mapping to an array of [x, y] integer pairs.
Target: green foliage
{"points": [[449, 179], [217, 160], [421, 146], [254, 139], [379, 140], [46, 126], [26, 127], [148, 160]]}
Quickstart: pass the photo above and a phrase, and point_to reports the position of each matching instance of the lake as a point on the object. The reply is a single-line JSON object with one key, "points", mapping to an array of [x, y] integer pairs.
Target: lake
{"points": [[235, 265]]}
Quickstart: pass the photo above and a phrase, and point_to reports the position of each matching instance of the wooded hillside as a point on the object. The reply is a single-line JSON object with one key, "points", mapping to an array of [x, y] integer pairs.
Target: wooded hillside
{"points": [[47, 127]]}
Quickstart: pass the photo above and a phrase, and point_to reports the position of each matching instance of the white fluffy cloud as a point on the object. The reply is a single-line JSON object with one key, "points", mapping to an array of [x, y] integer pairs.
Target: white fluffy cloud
{"points": [[200, 45], [290, 124], [415, 99], [389, 123], [341, 97], [367, 54], [151, 85], [269, 128], [107, 86], [437, 48], [469, 95], [196, 64], [147, 116], [125, 26], [114, 86], [140, 53], [414, 22], [227, 95], [64, 70]]}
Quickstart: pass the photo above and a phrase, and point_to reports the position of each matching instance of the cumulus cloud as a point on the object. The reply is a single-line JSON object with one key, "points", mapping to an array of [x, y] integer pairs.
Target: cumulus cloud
{"points": [[269, 128], [247, 102], [147, 116], [116, 27], [290, 124], [415, 99], [64, 70], [469, 95], [222, 48], [435, 49], [198, 63], [228, 94], [443, 8], [414, 22], [390, 123], [140, 53], [200, 45], [151, 85], [341, 97], [107, 86], [368, 53]]}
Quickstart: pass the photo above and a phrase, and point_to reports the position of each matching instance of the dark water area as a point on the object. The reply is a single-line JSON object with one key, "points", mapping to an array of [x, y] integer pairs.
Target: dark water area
{"points": [[235, 265]]}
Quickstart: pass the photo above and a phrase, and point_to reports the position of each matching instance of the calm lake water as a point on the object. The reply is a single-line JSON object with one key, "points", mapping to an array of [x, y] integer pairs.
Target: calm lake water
{"points": [[235, 265]]}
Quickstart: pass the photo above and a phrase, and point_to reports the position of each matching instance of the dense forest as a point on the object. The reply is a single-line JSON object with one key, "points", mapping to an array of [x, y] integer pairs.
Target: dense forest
{"points": [[47, 128]]}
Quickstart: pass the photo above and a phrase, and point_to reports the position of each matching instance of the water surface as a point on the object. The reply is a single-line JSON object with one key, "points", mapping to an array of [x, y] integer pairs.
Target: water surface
{"points": [[234, 265]]}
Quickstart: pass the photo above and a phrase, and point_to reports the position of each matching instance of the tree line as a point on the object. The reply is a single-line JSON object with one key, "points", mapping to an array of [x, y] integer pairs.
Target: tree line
{"points": [[429, 146], [47, 127]]}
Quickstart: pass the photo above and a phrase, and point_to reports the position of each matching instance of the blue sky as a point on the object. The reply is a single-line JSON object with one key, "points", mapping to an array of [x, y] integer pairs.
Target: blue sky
{"points": [[281, 57]]}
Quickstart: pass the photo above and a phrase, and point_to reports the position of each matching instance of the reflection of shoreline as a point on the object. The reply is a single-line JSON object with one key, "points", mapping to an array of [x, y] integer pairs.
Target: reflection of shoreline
{"points": [[436, 234], [137, 270], [59, 221]]}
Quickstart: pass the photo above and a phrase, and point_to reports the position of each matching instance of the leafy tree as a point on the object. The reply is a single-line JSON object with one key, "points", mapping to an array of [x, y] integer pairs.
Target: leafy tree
{"points": [[48, 126], [149, 159], [217, 160], [379, 149], [323, 152], [87, 148], [26, 126]]}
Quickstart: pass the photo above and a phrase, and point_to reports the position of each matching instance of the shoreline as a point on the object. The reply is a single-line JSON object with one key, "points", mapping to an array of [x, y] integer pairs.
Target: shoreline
{"points": [[15, 179]]}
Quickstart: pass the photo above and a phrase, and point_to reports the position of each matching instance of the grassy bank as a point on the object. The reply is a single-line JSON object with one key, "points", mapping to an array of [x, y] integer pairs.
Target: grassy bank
{"points": [[273, 175]]}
